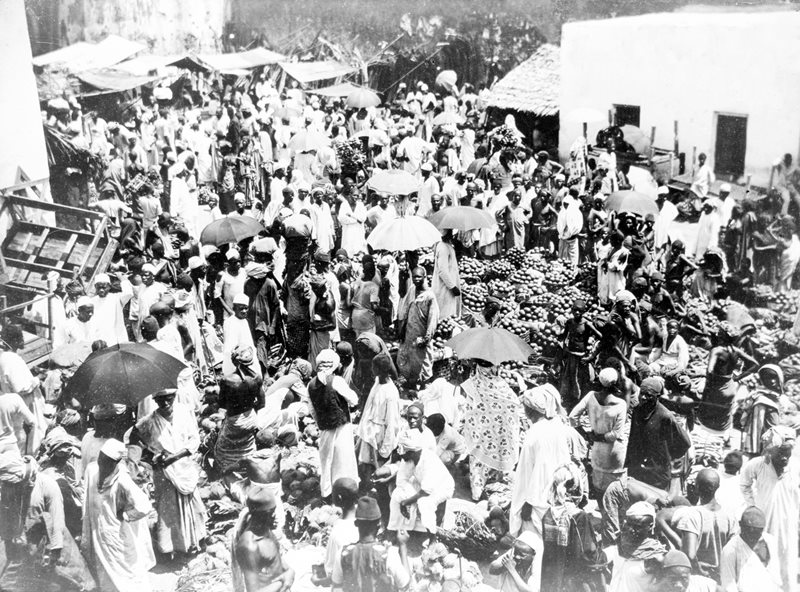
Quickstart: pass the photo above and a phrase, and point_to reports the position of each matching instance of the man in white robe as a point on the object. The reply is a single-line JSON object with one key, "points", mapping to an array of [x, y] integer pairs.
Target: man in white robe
{"points": [[569, 223], [236, 333], [323, 219], [430, 187], [108, 307], [446, 282], [83, 327], [750, 560], [147, 294]]}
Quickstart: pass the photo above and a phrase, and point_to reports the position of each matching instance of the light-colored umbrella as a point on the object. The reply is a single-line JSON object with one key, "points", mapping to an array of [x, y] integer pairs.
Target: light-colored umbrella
{"points": [[230, 229], [447, 79], [362, 98], [491, 344], [307, 140], [394, 182], [636, 138], [58, 104], [286, 113], [462, 218], [633, 202], [448, 118], [376, 137], [407, 233]]}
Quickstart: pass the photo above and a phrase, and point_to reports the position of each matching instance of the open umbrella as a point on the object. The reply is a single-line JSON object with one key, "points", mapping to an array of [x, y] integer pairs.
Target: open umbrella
{"points": [[447, 79], [448, 118], [462, 218], [404, 234], [633, 202], [394, 182], [123, 374], [307, 140], [636, 138], [376, 137], [362, 98], [492, 344], [230, 229]]}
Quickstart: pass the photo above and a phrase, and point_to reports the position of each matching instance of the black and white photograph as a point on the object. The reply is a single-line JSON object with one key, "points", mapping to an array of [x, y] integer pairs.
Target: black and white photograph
{"points": [[377, 296]]}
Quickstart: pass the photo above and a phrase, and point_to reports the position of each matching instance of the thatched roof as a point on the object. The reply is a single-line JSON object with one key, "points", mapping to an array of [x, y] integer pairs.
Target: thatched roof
{"points": [[533, 86]]}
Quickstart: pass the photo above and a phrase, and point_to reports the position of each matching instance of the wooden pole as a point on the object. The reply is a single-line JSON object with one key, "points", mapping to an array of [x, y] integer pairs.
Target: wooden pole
{"points": [[610, 117], [747, 185], [652, 143], [671, 165], [771, 177], [585, 131], [675, 139], [694, 158]]}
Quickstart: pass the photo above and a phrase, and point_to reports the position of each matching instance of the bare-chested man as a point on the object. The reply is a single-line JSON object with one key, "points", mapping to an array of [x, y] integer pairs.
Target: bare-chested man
{"points": [[257, 563]]}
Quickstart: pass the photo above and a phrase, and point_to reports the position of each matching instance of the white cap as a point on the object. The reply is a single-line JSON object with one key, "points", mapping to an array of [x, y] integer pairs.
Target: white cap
{"points": [[102, 278], [195, 262], [232, 254], [426, 166], [85, 301], [114, 449], [641, 509], [241, 299], [238, 196], [725, 187], [149, 268]]}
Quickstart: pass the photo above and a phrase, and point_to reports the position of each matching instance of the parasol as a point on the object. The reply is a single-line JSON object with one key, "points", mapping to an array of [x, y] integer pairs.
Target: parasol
{"points": [[462, 218], [123, 374], [58, 104], [376, 137], [362, 98], [492, 344], [307, 140], [633, 202], [636, 138], [447, 79], [71, 355], [394, 182], [404, 234], [448, 118], [230, 229]]}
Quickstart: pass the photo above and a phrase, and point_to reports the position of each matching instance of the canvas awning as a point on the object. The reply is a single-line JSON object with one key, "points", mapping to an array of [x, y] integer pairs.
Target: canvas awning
{"points": [[305, 72], [110, 80], [83, 56], [230, 63], [146, 64], [337, 90]]}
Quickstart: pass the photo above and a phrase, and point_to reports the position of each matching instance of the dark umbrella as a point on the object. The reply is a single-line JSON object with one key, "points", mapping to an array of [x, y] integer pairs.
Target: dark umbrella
{"points": [[230, 229], [123, 374]]}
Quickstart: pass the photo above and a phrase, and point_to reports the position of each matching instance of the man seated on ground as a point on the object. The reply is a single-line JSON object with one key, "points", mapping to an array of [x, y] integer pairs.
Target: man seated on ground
{"points": [[450, 445]]}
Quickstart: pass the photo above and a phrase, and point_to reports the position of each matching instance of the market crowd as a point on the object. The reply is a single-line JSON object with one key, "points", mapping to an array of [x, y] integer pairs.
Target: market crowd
{"points": [[649, 445]]}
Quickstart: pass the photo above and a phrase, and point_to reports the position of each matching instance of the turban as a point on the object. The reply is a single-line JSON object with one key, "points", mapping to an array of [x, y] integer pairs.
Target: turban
{"points": [[653, 385], [242, 354], [264, 246], [778, 436], [68, 417], [624, 296], [410, 440], [608, 376], [114, 449], [543, 399], [676, 558], [528, 537], [107, 410], [148, 268], [232, 254], [195, 262], [641, 510], [328, 357], [303, 367]]}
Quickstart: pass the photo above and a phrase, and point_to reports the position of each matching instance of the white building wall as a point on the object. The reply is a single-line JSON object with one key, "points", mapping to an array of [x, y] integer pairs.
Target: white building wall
{"points": [[686, 67]]}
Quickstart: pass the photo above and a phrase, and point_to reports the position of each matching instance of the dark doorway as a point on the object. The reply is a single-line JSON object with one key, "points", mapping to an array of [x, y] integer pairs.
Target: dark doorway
{"points": [[731, 145], [627, 115]]}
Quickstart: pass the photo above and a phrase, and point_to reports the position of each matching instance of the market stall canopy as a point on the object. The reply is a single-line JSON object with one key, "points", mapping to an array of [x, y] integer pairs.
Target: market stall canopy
{"points": [[305, 72], [83, 56], [230, 63], [532, 87], [147, 64], [336, 90], [112, 80]]}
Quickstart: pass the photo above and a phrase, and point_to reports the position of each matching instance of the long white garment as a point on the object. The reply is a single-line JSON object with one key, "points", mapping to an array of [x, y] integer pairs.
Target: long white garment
{"points": [[546, 448], [779, 498], [236, 332], [742, 571], [430, 186], [16, 377], [108, 315], [429, 475], [352, 221], [337, 456], [321, 214], [445, 277], [707, 233], [144, 297], [120, 550]]}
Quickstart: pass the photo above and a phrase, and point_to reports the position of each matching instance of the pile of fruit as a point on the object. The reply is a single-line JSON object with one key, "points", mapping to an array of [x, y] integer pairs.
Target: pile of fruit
{"points": [[501, 289], [783, 302], [471, 269], [516, 257], [473, 297], [558, 275], [445, 330], [499, 269], [537, 261], [301, 485], [790, 366]]}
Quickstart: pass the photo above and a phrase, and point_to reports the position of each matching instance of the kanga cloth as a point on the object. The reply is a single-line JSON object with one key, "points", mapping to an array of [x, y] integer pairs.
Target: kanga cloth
{"points": [[237, 440]]}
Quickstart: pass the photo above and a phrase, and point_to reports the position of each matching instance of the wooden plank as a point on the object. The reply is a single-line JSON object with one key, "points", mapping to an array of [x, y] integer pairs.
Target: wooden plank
{"points": [[101, 231], [53, 207], [35, 254], [29, 266], [27, 224], [67, 250]]}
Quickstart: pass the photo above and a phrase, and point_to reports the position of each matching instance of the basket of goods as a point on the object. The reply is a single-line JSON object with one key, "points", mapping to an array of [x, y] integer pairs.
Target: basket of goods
{"points": [[470, 535]]}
